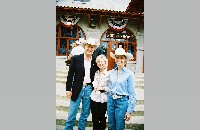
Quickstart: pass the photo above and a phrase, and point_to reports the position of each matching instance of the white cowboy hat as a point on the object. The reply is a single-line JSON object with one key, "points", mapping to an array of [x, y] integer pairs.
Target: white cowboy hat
{"points": [[90, 41], [77, 42], [80, 41], [121, 51]]}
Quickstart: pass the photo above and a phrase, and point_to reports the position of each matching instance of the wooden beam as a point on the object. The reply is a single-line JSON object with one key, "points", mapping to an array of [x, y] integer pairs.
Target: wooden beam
{"points": [[100, 20], [64, 10]]}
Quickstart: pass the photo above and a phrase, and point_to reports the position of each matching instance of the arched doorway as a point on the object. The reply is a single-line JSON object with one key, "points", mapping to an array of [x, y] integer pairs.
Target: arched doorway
{"points": [[111, 39], [65, 36]]}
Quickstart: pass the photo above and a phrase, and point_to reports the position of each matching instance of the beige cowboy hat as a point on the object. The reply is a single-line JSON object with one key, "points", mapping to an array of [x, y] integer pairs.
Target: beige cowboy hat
{"points": [[90, 41], [121, 51]]}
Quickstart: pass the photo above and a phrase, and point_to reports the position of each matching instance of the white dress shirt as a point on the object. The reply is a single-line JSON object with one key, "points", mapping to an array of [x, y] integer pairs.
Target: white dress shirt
{"points": [[87, 65]]}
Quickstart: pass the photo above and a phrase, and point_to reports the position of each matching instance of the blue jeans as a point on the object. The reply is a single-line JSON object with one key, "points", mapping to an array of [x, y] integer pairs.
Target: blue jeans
{"points": [[73, 109], [116, 109]]}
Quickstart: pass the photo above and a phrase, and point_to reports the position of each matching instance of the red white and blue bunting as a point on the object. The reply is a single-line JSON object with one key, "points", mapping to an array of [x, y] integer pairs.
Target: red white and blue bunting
{"points": [[69, 20], [117, 24]]}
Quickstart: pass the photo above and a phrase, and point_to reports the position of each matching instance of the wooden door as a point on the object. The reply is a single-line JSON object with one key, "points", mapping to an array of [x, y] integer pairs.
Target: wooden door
{"points": [[111, 48]]}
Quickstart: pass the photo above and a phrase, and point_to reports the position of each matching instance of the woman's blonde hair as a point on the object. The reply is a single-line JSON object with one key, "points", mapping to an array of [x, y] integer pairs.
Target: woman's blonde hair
{"points": [[104, 58]]}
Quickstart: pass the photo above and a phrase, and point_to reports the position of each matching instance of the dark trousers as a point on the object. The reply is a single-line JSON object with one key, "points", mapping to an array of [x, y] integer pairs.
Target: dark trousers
{"points": [[98, 111]]}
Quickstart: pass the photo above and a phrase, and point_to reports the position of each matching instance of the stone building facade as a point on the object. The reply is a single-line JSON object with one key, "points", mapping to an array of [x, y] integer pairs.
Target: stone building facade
{"points": [[109, 21]]}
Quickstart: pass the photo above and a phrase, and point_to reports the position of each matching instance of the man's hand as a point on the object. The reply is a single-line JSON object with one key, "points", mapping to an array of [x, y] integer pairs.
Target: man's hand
{"points": [[68, 94], [127, 116], [84, 83], [70, 57], [95, 89]]}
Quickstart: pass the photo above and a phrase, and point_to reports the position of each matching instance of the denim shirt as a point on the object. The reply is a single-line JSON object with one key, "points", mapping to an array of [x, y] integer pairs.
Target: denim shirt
{"points": [[123, 84]]}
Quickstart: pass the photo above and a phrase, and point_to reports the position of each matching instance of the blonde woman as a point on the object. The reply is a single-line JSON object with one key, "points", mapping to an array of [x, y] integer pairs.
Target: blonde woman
{"points": [[121, 92], [99, 94]]}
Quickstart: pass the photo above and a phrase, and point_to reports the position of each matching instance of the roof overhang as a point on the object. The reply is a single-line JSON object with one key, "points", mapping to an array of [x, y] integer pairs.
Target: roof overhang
{"points": [[60, 10]]}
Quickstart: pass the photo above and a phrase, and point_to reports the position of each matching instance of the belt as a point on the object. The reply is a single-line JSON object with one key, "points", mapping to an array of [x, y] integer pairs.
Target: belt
{"points": [[87, 84], [102, 91], [115, 96]]}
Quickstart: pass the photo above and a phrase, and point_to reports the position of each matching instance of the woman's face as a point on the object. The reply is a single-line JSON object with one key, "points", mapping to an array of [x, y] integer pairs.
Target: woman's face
{"points": [[101, 63], [120, 60]]}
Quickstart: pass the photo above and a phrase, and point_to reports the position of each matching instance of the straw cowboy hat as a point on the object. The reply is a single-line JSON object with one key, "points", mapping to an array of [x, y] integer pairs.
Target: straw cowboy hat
{"points": [[121, 51], [80, 41], [90, 41]]}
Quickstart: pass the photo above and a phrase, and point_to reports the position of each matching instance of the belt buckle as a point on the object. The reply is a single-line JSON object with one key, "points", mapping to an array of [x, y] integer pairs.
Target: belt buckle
{"points": [[114, 96]]}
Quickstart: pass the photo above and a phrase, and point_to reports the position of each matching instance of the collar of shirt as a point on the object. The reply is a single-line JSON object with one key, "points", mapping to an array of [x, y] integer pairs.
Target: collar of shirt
{"points": [[88, 59], [124, 68], [104, 72]]}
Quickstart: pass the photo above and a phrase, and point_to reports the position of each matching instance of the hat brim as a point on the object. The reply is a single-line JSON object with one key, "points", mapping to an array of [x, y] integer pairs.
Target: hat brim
{"points": [[127, 55], [77, 42], [95, 46]]}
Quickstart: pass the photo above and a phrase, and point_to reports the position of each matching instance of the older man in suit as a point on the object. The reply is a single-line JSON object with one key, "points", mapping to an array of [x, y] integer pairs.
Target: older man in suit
{"points": [[78, 89]]}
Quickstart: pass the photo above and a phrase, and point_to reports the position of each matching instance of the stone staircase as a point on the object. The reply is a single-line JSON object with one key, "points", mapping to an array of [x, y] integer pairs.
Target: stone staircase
{"points": [[62, 104]]}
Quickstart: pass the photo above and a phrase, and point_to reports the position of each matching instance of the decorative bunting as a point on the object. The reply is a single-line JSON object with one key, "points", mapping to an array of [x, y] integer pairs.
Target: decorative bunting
{"points": [[69, 20], [117, 24]]}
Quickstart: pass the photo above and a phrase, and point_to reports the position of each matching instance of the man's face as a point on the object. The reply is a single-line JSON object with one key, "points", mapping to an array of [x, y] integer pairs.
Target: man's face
{"points": [[89, 49], [73, 45]]}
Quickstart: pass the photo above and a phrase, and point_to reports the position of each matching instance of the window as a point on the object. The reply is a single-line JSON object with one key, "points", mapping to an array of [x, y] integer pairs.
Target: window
{"points": [[65, 36], [125, 39]]}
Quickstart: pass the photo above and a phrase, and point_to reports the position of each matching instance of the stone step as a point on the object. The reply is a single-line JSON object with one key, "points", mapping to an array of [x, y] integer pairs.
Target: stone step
{"points": [[62, 76], [66, 109], [58, 97], [61, 63], [62, 69], [62, 83], [60, 124], [60, 59], [66, 103], [61, 66], [61, 90], [139, 86], [62, 79], [140, 75], [61, 73], [65, 73], [138, 80], [60, 127], [134, 119], [66, 68]]}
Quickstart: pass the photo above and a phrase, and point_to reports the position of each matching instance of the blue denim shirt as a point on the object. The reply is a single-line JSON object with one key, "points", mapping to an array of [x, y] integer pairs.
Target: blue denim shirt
{"points": [[124, 84]]}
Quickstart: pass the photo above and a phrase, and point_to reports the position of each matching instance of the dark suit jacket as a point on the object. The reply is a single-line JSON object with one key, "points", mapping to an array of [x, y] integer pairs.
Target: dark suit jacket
{"points": [[77, 70]]}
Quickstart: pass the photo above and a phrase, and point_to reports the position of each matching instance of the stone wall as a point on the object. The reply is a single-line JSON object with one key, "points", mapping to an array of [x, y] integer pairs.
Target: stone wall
{"points": [[137, 66]]}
